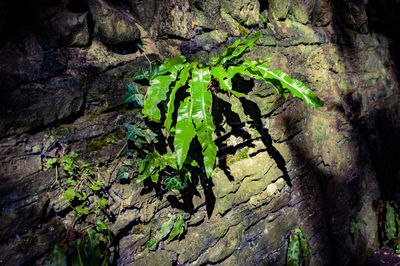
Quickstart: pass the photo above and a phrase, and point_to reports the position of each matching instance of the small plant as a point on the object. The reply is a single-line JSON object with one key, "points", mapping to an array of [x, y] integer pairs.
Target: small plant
{"points": [[180, 96], [84, 189], [173, 228], [354, 229], [389, 224], [85, 251], [82, 181], [298, 252]]}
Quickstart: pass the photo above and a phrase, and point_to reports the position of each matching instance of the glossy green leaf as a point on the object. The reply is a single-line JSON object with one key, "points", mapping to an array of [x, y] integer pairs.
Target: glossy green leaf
{"points": [[224, 79], [82, 210], [304, 246], [134, 132], [182, 79], [184, 131], [281, 81], [95, 188], [157, 92], [390, 222], [202, 117], [141, 178], [156, 71], [133, 95], [51, 162], [69, 194], [171, 160], [173, 64], [236, 50], [191, 162], [100, 225], [127, 163], [59, 256], [150, 166], [102, 203], [154, 177], [174, 182], [152, 244], [73, 154], [71, 181], [142, 74], [179, 227], [81, 196], [159, 87], [123, 174], [167, 227], [293, 251]]}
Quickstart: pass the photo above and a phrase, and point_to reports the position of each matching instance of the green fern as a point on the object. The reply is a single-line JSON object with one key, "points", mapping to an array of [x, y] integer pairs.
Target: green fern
{"points": [[194, 114]]}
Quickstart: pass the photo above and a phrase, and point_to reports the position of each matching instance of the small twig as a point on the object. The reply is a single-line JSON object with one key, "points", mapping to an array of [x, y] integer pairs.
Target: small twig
{"points": [[113, 161], [55, 181]]}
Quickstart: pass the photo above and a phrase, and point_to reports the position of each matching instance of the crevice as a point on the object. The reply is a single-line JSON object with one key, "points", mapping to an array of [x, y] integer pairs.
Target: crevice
{"points": [[77, 6], [125, 231], [289, 138], [264, 5]]}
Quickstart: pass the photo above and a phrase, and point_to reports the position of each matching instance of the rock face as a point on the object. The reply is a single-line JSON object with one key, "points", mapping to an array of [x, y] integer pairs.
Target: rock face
{"points": [[113, 25], [281, 165]]}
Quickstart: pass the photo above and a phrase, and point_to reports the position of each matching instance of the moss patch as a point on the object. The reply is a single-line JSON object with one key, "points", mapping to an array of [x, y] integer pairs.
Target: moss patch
{"points": [[98, 144], [63, 131], [240, 155]]}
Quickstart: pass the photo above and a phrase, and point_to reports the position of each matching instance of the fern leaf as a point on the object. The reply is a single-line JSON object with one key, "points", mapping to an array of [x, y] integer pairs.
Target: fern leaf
{"points": [[293, 251], [296, 87], [236, 50], [224, 80], [184, 132], [202, 117], [173, 64], [182, 79], [156, 93], [159, 87]]}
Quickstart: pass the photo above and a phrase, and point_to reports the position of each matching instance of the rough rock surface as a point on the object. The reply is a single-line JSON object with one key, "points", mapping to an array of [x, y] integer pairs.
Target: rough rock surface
{"points": [[281, 165]]}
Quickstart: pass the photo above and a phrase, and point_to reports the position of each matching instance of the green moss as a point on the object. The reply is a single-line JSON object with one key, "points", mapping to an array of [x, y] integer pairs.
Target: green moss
{"points": [[98, 144], [63, 131], [243, 30], [95, 145], [242, 154], [139, 229], [221, 232]]}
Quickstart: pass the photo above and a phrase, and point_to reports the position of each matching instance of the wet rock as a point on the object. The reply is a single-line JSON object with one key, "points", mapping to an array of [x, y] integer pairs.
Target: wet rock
{"points": [[124, 219], [322, 13], [293, 33], [302, 9], [132, 245], [23, 202], [279, 8], [29, 248], [232, 25], [37, 105], [114, 25], [144, 10], [161, 257], [72, 28], [206, 236], [210, 40], [244, 11], [207, 13], [176, 19]]}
